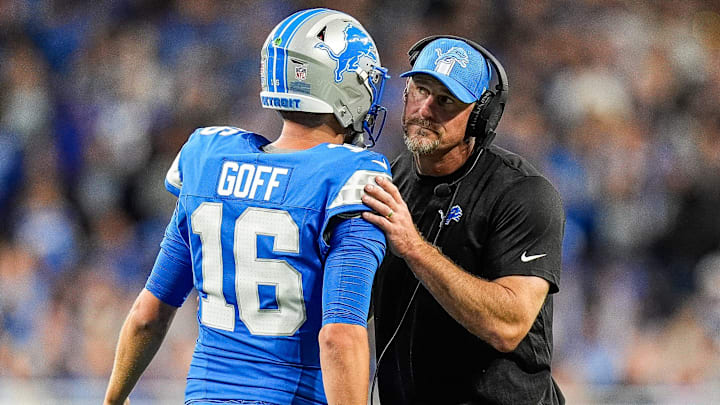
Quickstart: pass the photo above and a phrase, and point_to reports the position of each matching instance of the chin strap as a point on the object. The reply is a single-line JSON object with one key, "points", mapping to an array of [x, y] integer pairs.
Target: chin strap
{"points": [[355, 138]]}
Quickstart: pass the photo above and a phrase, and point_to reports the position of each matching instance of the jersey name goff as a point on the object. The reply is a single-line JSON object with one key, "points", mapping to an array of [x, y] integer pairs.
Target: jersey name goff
{"points": [[244, 180]]}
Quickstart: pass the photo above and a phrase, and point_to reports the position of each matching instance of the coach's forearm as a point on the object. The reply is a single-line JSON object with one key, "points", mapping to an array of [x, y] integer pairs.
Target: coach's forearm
{"points": [[345, 361], [499, 312], [140, 338]]}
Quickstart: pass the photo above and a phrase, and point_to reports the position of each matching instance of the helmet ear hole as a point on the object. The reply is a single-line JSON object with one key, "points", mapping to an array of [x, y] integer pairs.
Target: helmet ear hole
{"points": [[321, 34]]}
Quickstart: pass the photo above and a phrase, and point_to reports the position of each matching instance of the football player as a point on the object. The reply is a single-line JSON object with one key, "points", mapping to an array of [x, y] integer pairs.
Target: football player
{"points": [[270, 233]]}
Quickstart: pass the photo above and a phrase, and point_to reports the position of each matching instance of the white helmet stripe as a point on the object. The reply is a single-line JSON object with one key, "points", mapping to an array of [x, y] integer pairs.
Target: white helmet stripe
{"points": [[279, 31], [293, 24], [283, 80]]}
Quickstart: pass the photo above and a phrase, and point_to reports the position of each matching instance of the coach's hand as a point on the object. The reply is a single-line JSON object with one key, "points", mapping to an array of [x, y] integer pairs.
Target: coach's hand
{"points": [[392, 216]]}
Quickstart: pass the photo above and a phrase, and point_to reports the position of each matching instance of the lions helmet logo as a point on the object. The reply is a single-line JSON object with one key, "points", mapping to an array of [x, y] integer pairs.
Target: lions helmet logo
{"points": [[446, 60], [357, 46], [454, 214]]}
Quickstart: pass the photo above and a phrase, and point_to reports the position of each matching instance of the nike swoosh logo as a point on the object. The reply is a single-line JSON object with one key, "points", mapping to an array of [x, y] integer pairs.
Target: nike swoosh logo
{"points": [[380, 163], [524, 258]]}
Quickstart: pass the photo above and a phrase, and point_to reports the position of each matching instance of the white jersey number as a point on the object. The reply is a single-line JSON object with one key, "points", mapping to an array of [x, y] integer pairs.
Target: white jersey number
{"points": [[250, 271]]}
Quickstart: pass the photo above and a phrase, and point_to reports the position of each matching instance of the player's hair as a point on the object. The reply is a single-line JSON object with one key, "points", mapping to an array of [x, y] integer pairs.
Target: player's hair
{"points": [[314, 120], [310, 120]]}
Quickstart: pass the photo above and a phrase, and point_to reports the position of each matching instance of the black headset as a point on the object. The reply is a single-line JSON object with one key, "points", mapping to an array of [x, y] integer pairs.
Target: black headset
{"points": [[486, 114]]}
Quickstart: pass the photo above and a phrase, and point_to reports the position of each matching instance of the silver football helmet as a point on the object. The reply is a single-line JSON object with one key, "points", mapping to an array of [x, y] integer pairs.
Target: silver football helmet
{"points": [[324, 61]]}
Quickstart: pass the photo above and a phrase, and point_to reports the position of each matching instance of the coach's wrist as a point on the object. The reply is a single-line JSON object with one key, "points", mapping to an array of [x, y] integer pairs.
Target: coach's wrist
{"points": [[422, 253]]}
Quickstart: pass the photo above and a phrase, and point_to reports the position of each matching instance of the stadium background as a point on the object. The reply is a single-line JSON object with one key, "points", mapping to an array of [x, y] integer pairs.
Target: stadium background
{"points": [[618, 102]]}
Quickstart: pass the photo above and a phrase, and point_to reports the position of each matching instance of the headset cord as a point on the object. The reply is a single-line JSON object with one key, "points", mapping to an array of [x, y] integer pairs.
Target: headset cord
{"points": [[412, 297], [387, 346]]}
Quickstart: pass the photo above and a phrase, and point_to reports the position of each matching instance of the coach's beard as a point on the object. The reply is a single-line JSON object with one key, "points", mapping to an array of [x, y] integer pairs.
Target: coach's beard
{"points": [[418, 142]]}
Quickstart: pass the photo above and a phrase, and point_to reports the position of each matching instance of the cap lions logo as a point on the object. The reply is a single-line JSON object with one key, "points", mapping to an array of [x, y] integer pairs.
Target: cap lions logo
{"points": [[446, 60], [357, 45]]}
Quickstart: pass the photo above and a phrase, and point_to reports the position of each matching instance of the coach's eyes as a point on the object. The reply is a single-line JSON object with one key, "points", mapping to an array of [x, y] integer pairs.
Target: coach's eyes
{"points": [[445, 100], [422, 91]]}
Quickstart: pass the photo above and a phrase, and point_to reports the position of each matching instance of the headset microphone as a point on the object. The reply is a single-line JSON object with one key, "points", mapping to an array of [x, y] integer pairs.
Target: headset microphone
{"points": [[442, 190]]}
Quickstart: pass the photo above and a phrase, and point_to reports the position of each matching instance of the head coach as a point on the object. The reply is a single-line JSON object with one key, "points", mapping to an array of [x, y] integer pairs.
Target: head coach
{"points": [[463, 303]]}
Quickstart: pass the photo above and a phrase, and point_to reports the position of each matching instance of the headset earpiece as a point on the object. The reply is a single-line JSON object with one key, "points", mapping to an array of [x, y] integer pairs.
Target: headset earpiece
{"points": [[474, 124], [486, 114], [492, 112], [477, 122]]}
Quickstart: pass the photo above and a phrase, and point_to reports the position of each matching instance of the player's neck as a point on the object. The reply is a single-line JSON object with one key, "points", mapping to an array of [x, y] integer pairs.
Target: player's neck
{"points": [[298, 136], [442, 163]]}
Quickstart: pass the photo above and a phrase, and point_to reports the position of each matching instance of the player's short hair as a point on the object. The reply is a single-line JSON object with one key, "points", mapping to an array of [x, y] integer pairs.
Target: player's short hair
{"points": [[310, 120]]}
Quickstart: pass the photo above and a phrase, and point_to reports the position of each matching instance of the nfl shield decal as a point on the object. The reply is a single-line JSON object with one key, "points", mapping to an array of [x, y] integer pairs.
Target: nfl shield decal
{"points": [[301, 72]]}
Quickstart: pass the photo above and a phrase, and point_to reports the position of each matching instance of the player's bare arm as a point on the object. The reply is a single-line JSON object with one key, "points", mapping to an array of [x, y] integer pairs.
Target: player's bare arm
{"points": [[140, 338], [345, 360]]}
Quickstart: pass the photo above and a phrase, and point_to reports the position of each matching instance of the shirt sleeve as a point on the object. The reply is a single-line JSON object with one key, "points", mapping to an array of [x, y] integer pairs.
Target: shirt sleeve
{"points": [[171, 279], [356, 249], [527, 222]]}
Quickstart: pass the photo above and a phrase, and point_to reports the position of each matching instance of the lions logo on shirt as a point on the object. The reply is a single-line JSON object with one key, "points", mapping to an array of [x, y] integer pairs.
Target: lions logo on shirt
{"points": [[357, 45], [454, 214]]}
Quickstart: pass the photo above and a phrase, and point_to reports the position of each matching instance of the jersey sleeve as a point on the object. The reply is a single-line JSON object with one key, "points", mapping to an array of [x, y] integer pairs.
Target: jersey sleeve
{"points": [[202, 140], [356, 249], [171, 279], [527, 223], [173, 178], [367, 166]]}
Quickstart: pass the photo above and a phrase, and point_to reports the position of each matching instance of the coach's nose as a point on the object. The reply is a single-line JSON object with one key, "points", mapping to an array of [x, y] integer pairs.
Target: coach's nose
{"points": [[426, 107]]}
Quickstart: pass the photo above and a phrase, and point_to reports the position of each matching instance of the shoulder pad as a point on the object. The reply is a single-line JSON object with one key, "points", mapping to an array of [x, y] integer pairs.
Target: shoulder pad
{"points": [[222, 131], [173, 179], [352, 191]]}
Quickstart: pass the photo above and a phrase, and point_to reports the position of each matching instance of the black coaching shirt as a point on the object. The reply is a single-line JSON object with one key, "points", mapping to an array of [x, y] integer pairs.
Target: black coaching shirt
{"points": [[506, 219]]}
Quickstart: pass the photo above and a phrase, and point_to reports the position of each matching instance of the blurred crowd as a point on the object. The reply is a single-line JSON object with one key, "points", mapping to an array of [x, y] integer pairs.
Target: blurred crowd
{"points": [[617, 102]]}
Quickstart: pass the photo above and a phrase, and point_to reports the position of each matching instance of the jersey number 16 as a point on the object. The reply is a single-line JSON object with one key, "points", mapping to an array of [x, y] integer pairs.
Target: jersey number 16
{"points": [[250, 271]]}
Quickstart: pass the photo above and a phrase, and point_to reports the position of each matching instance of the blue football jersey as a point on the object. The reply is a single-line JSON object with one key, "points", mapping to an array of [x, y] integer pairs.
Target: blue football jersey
{"points": [[254, 225]]}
